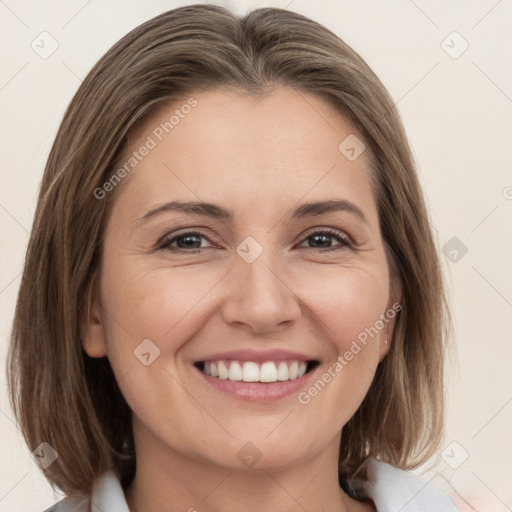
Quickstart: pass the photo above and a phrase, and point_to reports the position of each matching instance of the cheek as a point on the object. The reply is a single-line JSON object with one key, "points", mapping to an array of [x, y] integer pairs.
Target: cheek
{"points": [[151, 314], [348, 308], [164, 305], [347, 303]]}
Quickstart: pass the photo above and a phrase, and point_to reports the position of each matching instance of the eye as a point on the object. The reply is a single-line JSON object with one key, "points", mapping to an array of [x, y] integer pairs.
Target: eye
{"points": [[322, 237], [188, 240]]}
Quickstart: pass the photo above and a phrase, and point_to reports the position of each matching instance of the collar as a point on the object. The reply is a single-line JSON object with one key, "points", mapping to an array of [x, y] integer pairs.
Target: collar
{"points": [[391, 489]]}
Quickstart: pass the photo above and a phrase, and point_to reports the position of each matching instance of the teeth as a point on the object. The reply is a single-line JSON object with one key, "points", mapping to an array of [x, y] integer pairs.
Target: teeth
{"points": [[292, 372], [268, 372], [282, 371], [252, 372], [235, 371], [223, 371]]}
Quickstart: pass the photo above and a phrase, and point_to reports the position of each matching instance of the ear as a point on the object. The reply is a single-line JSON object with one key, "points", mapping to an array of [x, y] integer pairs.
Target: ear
{"points": [[92, 330]]}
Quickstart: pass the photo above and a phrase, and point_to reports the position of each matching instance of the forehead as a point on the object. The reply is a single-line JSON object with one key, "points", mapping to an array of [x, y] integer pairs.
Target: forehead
{"points": [[215, 145]]}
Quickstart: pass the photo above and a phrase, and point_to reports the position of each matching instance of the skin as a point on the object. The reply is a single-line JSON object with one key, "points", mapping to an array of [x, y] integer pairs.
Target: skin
{"points": [[260, 159]]}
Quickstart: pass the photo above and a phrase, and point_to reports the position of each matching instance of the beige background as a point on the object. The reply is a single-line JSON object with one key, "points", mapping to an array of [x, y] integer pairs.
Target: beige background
{"points": [[458, 115]]}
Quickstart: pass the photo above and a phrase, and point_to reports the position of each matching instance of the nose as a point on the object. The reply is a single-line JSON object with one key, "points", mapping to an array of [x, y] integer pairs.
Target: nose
{"points": [[258, 297]]}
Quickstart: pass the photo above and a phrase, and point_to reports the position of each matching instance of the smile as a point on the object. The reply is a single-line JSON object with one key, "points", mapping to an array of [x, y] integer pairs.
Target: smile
{"points": [[255, 375], [250, 371]]}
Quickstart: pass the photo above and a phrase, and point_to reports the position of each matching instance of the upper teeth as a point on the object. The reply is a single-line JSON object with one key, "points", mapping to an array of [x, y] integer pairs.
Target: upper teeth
{"points": [[253, 372]]}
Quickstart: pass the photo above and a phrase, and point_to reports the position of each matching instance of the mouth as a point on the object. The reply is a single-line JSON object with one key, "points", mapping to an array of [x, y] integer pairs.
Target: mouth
{"points": [[257, 376], [267, 372]]}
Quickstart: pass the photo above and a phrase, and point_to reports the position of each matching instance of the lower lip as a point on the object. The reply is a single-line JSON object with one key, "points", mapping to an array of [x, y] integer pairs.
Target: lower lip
{"points": [[258, 391]]}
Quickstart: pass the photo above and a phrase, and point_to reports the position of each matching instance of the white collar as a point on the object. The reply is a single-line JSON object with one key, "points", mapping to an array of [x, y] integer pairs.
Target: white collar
{"points": [[393, 489], [390, 488]]}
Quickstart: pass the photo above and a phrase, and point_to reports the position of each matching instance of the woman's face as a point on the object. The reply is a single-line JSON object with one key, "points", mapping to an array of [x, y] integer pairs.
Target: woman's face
{"points": [[264, 277]]}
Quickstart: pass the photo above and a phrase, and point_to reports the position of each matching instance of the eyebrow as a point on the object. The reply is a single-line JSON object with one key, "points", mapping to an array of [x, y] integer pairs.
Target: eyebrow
{"points": [[214, 211]]}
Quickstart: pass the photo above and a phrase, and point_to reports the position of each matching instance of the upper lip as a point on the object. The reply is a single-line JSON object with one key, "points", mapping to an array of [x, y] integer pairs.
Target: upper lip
{"points": [[257, 356]]}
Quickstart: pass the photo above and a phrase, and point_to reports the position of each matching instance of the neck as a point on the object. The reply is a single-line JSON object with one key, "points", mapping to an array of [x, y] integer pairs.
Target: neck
{"points": [[169, 481]]}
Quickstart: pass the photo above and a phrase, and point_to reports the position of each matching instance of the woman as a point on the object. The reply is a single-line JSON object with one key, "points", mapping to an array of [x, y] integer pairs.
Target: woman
{"points": [[232, 297]]}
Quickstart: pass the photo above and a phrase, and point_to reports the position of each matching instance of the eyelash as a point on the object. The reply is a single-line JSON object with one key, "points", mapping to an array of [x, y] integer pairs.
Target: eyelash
{"points": [[340, 237]]}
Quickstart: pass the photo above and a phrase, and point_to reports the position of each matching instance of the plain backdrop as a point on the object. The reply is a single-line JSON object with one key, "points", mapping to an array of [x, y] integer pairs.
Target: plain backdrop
{"points": [[448, 66]]}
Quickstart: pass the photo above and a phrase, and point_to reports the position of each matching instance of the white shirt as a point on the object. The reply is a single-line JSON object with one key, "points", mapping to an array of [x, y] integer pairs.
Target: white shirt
{"points": [[390, 488]]}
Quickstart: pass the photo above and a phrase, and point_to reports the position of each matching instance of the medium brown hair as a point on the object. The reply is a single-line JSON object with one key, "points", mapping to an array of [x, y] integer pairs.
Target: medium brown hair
{"points": [[64, 397]]}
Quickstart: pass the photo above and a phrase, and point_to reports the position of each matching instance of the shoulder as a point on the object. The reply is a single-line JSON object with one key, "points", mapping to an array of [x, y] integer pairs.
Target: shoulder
{"points": [[392, 489], [107, 495], [71, 504]]}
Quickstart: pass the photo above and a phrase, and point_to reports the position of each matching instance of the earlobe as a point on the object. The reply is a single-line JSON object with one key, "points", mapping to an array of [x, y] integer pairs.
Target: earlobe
{"points": [[393, 307], [92, 332], [385, 343], [387, 334]]}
